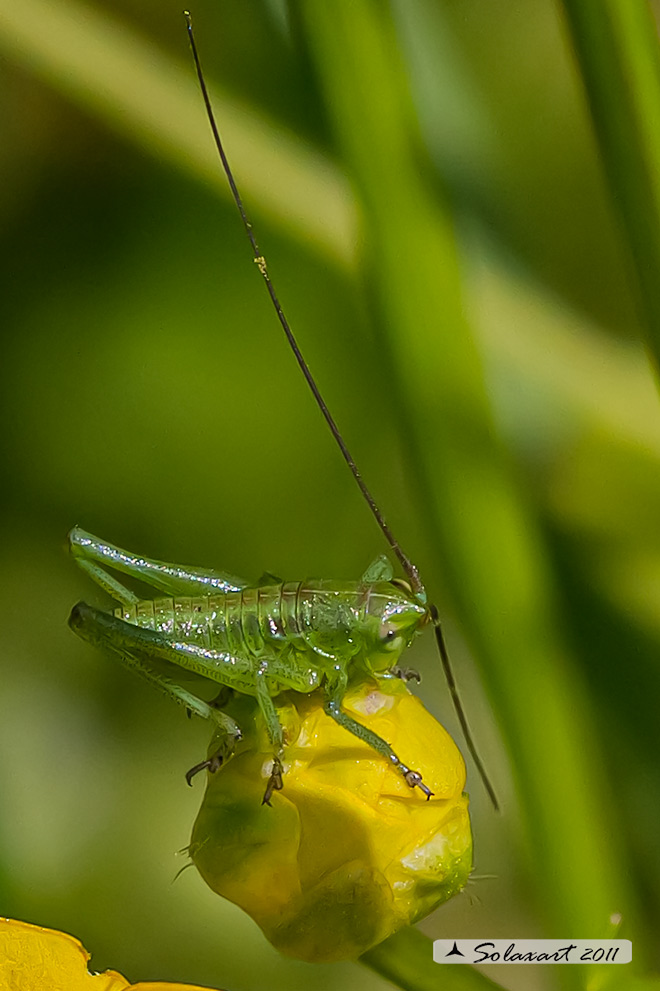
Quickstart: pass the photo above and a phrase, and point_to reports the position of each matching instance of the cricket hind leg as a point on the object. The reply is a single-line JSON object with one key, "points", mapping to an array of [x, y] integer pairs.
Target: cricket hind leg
{"points": [[334, 710], [233, 671], [168, 578], [183, 660], [273, 728], [218, 758], [211, 764], [99, 629], [108, 583]]}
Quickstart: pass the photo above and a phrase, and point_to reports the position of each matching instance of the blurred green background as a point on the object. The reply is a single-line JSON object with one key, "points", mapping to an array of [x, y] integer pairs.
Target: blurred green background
{"points": [[148, 396]]}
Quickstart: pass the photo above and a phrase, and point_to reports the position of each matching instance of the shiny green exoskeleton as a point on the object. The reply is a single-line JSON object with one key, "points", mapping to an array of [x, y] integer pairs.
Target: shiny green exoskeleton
{"points": [[257, 640]]}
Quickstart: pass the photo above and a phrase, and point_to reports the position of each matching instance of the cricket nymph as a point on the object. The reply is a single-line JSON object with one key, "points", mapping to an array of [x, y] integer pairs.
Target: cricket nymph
{"points": [[258, 640]]}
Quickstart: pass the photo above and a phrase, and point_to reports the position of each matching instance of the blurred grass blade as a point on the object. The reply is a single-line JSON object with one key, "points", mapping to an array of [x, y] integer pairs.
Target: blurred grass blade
{"points": [[126, 80], [406, 959], [617, 51], [478, 525]]}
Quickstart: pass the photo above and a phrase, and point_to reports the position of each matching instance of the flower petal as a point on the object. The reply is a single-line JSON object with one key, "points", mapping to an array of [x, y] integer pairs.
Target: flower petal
{"points": [[33, 957]]}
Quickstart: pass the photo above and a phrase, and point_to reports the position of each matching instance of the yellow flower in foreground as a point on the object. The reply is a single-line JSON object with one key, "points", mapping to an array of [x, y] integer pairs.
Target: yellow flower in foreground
{"points": [[37, 959], [348, 853]]}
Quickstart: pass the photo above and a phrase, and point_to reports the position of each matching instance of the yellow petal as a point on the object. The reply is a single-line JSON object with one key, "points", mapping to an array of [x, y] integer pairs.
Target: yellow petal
{"points": [[32, 957], [36, 959]]}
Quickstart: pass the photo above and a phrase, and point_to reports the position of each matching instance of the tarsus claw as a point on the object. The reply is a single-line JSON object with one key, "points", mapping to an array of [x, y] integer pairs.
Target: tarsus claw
{"points": [[212, 763], [275, 782], [414, 779]]}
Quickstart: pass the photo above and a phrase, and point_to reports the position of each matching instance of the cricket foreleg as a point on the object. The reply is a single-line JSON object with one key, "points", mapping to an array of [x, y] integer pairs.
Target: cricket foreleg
{"points": [[335, 711]]}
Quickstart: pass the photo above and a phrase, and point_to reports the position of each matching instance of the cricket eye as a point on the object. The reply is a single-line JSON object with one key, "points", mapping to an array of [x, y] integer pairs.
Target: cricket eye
{"points": [[389, 637]]}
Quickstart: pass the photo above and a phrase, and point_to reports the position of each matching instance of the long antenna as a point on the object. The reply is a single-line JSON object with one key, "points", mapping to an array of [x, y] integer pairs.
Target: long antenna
{"points": [[407, 565], [458, 706]]}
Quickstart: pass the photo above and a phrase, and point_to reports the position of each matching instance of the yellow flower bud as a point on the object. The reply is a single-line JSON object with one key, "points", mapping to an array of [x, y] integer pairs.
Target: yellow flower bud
{"points": [[348, 853]]}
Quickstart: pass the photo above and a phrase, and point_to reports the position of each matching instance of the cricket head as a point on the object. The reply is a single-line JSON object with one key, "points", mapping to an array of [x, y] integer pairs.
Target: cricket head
{"points": [[393, 616]]}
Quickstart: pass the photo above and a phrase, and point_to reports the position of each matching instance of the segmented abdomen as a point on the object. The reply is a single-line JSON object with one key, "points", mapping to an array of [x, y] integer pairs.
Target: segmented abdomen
{"points": [[237, 622]]}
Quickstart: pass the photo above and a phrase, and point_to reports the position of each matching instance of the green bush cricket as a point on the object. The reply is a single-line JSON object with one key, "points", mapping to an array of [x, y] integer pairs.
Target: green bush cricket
{"points": [[265, 638]]}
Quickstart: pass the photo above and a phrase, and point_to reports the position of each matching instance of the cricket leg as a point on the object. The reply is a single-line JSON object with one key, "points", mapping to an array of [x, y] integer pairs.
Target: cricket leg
{"points": [[227, 732], [406, 674], [182, 659], [335, 711], [108, 583], [103, 630], [274, 730], [171, 579]]}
